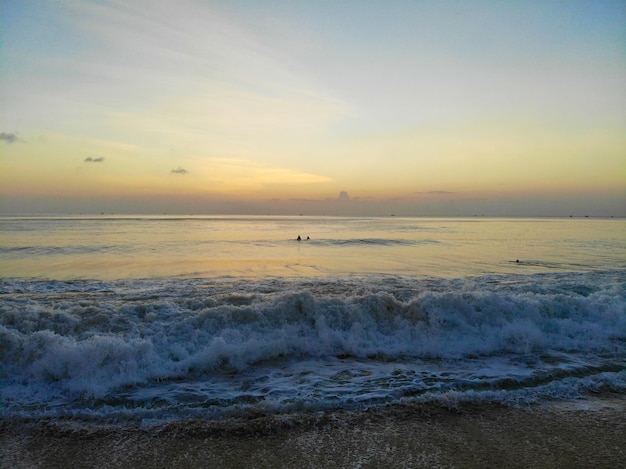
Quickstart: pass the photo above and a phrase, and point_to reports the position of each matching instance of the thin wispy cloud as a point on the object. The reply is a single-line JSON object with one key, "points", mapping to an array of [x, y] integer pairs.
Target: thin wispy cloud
{"points": [[436, 193], [98, 159], [179, 170], [8, 137]]}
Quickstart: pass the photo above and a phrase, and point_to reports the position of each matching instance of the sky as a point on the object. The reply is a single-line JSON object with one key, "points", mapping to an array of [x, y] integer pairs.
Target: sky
{"points": [[354, 107]]}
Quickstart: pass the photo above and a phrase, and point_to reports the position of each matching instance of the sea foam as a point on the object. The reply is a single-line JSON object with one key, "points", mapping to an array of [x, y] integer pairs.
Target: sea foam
{"points": [[221, 345]]}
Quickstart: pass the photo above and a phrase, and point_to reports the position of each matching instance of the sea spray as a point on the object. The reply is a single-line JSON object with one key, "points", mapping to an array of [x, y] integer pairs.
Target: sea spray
{"points": [[198, 347]]}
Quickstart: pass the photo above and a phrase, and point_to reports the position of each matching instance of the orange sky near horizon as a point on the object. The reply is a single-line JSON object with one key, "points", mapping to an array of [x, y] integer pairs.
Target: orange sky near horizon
{"points": [[425, 108]]}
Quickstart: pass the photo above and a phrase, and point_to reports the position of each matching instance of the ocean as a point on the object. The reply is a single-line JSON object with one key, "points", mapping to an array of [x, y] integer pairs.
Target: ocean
{"points": [[144, 320]]}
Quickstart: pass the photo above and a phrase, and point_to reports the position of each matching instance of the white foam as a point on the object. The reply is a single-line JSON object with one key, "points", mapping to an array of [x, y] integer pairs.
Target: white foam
{"points": [[115, 341]]}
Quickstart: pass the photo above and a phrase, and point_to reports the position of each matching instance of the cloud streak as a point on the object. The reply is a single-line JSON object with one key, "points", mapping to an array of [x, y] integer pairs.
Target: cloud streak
{"points": [[179, 170], [8, 137], [98, 159], [436, 193]]}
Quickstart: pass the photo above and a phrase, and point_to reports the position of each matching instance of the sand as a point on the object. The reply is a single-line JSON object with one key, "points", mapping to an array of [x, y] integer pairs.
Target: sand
{"points": [[575, 434]]}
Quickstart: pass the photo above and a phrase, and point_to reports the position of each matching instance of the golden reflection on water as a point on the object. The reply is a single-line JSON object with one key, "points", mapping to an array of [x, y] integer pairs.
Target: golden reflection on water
{"points": [[266, 246]]}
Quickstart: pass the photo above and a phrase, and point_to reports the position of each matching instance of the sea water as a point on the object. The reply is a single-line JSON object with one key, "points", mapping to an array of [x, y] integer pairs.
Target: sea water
{"points": [[145, 320]]}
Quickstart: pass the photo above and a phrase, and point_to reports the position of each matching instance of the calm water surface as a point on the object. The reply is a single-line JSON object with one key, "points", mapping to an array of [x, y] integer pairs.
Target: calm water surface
{"points": [[148, 247]]}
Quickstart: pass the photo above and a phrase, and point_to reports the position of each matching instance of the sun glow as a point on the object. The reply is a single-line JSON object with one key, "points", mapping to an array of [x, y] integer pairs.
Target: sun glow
{"points": [[406, 109]]}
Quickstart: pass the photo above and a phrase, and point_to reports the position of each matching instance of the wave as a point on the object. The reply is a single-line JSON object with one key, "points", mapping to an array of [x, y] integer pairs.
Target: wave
{"points": [[374, 242], [30, 251], [226, 343]]}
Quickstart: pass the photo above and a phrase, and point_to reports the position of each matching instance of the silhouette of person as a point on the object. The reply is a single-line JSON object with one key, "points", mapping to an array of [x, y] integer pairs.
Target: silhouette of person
{"points": [[299, 238]]}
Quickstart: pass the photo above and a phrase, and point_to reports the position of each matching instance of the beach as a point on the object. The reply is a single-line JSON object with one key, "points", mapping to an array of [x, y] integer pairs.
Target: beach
{"points": [[585, 433]]}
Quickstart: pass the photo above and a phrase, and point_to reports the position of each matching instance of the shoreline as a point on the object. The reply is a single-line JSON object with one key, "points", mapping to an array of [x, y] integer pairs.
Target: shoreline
{"points": [[588, 432]]}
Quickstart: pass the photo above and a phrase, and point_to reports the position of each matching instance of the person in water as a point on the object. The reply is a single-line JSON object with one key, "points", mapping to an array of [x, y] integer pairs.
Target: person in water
{"points": [[299, 238]]}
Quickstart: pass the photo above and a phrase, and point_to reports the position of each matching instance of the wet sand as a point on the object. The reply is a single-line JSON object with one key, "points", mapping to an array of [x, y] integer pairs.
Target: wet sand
{"points": [[574, 434]]}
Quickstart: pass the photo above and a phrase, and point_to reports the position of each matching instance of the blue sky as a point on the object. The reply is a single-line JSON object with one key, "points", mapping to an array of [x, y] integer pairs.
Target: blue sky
{"points": [[410, 107]]}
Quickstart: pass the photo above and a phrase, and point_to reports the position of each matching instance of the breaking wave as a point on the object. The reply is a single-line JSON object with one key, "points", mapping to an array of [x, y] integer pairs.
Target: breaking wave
{"points": [[172, 348]]}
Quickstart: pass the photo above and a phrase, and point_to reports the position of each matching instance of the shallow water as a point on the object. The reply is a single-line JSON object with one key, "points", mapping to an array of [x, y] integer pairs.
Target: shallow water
{"points": [[229, 316]]}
